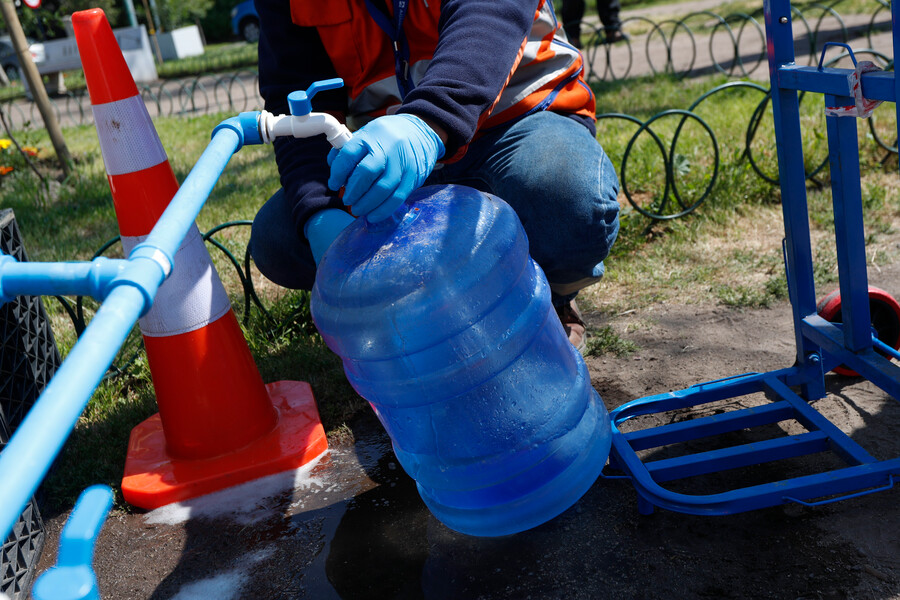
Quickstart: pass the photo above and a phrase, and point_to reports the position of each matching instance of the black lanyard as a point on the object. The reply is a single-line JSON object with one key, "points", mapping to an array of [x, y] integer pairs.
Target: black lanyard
{"points": [[394, 30]]}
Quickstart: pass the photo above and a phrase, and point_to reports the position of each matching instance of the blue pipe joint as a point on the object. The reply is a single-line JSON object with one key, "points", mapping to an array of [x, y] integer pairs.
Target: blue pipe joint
{"points": [[5, 259], [246, 125], [72, 578], [104, 271], [148, 267]]}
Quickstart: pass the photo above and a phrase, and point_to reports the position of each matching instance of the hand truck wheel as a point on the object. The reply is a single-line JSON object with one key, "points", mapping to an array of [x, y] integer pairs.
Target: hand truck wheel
{"points": [[885, 314]]}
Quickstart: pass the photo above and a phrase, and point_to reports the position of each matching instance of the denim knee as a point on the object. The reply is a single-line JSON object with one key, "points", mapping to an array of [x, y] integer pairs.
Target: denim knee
{"points": [[573, 221], [280, 253], [588, 230], [599, 225]]}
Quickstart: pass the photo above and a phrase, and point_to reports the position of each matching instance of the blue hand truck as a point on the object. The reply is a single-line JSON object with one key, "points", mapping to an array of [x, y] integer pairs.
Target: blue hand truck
{"points": [[822, 345]]}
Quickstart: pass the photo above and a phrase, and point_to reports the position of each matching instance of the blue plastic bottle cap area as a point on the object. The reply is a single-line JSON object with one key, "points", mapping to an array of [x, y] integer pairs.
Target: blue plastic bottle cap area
{"points": [[445, 325]]}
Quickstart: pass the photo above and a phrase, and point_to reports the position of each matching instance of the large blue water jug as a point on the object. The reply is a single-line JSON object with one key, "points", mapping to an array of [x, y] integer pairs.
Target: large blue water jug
{"points": [[445, 325]]}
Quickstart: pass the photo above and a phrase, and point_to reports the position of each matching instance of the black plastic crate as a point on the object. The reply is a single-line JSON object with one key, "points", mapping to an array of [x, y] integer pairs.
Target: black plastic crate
{"points": [[28, 360], [28, 353], [21, 551]]}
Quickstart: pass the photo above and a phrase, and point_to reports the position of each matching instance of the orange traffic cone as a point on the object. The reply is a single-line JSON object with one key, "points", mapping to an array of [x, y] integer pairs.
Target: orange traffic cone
{"points": [[218, 423]]}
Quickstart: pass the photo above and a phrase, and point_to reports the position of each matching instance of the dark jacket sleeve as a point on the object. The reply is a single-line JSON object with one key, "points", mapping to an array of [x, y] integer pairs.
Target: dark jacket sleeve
{"points": [[478, 47], [291, 58]]}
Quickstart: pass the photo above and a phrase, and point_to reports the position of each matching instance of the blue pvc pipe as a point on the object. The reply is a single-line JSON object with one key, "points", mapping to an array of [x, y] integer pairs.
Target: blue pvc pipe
{"points": [[179, 216], [57, 278], [76, 544], [73, 575], [39, 438]]}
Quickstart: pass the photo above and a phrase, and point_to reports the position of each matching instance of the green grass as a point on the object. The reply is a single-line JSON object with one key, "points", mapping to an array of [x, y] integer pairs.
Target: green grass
{"points": [[606, 341], [78, 217], [217, 58], [95, 452], [728, 251]]}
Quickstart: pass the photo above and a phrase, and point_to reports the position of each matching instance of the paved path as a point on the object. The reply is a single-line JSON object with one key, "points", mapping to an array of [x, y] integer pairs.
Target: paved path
{"points": [[684, 39], [668, 10]]}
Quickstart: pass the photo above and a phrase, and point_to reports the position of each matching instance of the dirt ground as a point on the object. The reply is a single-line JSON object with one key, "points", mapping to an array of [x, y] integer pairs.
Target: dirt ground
{"points": [[352, 525]]}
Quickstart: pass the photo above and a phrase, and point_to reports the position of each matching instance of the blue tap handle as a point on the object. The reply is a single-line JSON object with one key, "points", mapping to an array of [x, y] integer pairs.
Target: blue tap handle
{"points": [[300, 103], [73, 576]]}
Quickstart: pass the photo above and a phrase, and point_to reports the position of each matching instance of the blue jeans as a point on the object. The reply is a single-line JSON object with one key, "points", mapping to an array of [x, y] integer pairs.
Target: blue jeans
{"points": [[548, 167]]}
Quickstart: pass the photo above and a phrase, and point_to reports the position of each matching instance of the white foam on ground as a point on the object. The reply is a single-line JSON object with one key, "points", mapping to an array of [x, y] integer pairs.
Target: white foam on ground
{"points": [[224, 586], [247, 503], [227, 585]]}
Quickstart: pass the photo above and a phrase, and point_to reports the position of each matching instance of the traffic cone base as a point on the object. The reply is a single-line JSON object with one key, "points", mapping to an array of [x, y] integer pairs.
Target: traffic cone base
{"points": [[153, 478]]}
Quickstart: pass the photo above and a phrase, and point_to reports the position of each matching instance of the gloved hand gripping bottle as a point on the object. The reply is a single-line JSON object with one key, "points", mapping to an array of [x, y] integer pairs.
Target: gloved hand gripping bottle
{"points": [[444, 324]]}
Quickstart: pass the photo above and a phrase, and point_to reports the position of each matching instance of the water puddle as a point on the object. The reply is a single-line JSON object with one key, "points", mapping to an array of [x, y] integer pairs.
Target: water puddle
{"points": [[351, 526], [384, 543], [375, 543]]}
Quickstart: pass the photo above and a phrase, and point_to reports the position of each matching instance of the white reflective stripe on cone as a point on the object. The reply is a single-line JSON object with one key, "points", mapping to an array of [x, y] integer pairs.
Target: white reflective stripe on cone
{"points": [[128, 140], [192, 297]]}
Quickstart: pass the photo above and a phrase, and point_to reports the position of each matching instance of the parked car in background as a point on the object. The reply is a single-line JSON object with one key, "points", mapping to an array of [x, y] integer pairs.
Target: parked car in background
{"points": [[9, 60], [245, 21]]}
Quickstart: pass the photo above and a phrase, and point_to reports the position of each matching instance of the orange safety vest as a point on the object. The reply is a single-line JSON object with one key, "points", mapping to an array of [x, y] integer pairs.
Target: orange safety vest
{"points": [[548, 74]]}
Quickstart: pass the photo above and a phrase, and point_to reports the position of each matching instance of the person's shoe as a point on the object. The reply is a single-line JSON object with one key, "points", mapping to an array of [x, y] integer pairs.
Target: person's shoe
{"points": [[611, 36], [573, 324]]}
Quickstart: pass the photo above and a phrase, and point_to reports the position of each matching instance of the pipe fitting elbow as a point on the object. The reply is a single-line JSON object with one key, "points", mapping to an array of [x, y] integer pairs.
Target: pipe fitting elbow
{"points": [[101, 273], [147, 268], [303, 126], [336, 132], [246, 125]]}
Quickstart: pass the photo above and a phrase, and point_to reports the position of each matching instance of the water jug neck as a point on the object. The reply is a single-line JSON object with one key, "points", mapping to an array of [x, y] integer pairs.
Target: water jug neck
{"points": [[389, 223]]}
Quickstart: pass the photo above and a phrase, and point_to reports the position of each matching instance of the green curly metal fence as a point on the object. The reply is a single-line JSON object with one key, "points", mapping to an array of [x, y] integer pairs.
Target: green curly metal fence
{"points": [[735, 43]]}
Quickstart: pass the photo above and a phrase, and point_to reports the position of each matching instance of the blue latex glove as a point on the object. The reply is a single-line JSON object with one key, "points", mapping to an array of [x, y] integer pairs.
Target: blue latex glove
{"points": [[383, 163], [323, 227]]}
